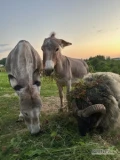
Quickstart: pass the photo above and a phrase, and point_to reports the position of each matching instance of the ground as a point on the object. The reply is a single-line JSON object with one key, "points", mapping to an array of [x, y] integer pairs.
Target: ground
{"points": [[60, 139]]}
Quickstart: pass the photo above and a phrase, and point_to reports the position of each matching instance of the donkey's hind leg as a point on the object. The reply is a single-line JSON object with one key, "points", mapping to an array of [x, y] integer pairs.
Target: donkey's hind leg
{"points": [[67, 95]]}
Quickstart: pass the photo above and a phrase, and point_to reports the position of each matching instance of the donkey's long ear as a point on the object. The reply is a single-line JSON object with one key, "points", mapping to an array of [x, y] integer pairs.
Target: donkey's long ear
{"points": [[64, 43], [14, 83], [36, 77], [52, 35], [12, 80]]}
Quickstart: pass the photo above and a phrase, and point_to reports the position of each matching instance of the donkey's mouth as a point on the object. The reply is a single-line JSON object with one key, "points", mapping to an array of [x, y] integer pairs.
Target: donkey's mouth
{"points": [[48, 72]]}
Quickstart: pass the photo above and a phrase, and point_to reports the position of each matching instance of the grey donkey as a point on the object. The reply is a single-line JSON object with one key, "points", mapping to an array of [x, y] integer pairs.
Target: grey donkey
{"points": [[23, 66]]}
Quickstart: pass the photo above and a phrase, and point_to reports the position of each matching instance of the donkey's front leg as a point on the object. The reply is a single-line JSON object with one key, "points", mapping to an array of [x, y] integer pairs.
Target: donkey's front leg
{"points": [[60, 89], [67, 95]]}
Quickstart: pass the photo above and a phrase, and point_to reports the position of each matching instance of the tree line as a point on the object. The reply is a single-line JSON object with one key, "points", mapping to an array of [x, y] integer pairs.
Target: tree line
{"points": [[97, 64], [101, 64], [2, 61]]}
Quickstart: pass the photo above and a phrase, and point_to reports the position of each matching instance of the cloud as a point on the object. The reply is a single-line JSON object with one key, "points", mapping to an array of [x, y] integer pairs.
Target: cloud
{"points": [[3, 45], [99, 31], [93, 26], [4, 48], [109, 30], [117, 28]]}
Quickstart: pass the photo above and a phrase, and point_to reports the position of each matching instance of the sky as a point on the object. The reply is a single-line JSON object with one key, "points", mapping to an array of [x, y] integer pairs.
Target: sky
{"points": [[92, 26]]}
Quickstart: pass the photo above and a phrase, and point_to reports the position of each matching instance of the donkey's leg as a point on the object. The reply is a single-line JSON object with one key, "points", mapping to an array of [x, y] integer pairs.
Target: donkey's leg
{"points": [[67, 94], [68, 86], [60, 89]]}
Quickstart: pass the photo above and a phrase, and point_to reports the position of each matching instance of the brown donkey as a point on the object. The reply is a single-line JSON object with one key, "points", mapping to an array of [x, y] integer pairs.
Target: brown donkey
{"points": [[67, 70]]}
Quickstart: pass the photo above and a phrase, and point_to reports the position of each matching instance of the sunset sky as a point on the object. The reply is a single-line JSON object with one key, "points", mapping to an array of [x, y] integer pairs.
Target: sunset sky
{"points": [[92, 26]]}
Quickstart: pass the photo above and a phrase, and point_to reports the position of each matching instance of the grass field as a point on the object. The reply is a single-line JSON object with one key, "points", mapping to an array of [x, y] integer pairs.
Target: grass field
{"points": [[60, 139]]}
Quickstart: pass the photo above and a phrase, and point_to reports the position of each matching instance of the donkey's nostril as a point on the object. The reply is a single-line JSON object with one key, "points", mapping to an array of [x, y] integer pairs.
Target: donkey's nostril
{"points": [[48, 72], [52, 70]]}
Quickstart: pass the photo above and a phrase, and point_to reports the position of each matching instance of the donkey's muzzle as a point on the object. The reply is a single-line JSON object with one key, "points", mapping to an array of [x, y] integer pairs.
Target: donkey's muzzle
{"points": [[48, 72]]}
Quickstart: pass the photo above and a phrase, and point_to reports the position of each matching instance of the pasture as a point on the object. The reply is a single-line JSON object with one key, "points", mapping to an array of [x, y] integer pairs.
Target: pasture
{"points": [[60, 139]]}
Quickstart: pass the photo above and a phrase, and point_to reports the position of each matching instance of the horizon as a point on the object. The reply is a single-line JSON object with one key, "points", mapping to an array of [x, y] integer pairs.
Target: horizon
{"points": [[88, 57], [93, 27]]}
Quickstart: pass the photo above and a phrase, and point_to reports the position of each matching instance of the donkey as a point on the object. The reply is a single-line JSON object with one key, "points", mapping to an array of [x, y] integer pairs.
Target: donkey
{"points": [[67, 70], [23, 65]]}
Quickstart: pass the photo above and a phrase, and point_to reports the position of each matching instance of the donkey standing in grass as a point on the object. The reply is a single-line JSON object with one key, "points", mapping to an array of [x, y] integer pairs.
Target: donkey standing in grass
{"points": [[23, 65], [67, 70]]}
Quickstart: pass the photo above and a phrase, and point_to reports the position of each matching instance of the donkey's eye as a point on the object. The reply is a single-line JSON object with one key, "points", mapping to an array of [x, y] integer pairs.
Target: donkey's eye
{"points": [[18, 87], [37, 83], [57, 49], [26, 114]]}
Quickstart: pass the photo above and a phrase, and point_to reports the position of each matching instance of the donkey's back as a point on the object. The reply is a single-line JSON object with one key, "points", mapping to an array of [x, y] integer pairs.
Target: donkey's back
{"points": [[22, 61], [78, 67]]}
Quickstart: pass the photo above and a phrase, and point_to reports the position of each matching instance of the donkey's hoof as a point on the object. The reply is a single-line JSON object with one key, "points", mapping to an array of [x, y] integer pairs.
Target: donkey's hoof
{"points": [[20, 119]]}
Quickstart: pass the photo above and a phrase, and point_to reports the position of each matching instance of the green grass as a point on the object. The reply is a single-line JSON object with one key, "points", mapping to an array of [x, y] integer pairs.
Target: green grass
{"points": [[60, 139], [48, 88], [5, 87]]}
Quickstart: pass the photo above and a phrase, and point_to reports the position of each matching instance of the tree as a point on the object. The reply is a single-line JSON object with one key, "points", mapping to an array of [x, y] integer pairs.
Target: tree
{"points": [[100, 64], [2, 61]]}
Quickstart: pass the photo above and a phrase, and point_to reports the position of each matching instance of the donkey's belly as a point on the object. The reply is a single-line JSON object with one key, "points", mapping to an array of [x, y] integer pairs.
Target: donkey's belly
{"points": [[64, 82], [61, 81]]}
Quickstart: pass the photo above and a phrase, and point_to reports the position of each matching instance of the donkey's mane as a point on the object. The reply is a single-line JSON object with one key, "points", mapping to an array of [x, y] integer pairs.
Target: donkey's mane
{"points": [[52, 35]]}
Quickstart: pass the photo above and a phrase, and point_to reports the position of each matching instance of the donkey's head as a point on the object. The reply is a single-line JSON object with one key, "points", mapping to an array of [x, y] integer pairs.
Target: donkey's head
{"points": [[30, 102], [51, 52]]}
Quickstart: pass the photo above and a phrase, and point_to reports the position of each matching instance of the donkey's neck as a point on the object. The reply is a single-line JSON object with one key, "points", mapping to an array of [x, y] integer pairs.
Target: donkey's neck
{"points": [[60, 65]]}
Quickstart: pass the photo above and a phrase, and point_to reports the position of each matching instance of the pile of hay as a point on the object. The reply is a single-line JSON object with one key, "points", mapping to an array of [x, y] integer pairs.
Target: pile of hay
{"points": [[87, 93]]}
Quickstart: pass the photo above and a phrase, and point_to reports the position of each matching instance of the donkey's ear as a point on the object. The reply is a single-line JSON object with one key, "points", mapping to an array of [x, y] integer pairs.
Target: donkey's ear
{"points": [[52, 35], [14, 83], [36, 74], [36, 77], [64, 43], [12, 80]]}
